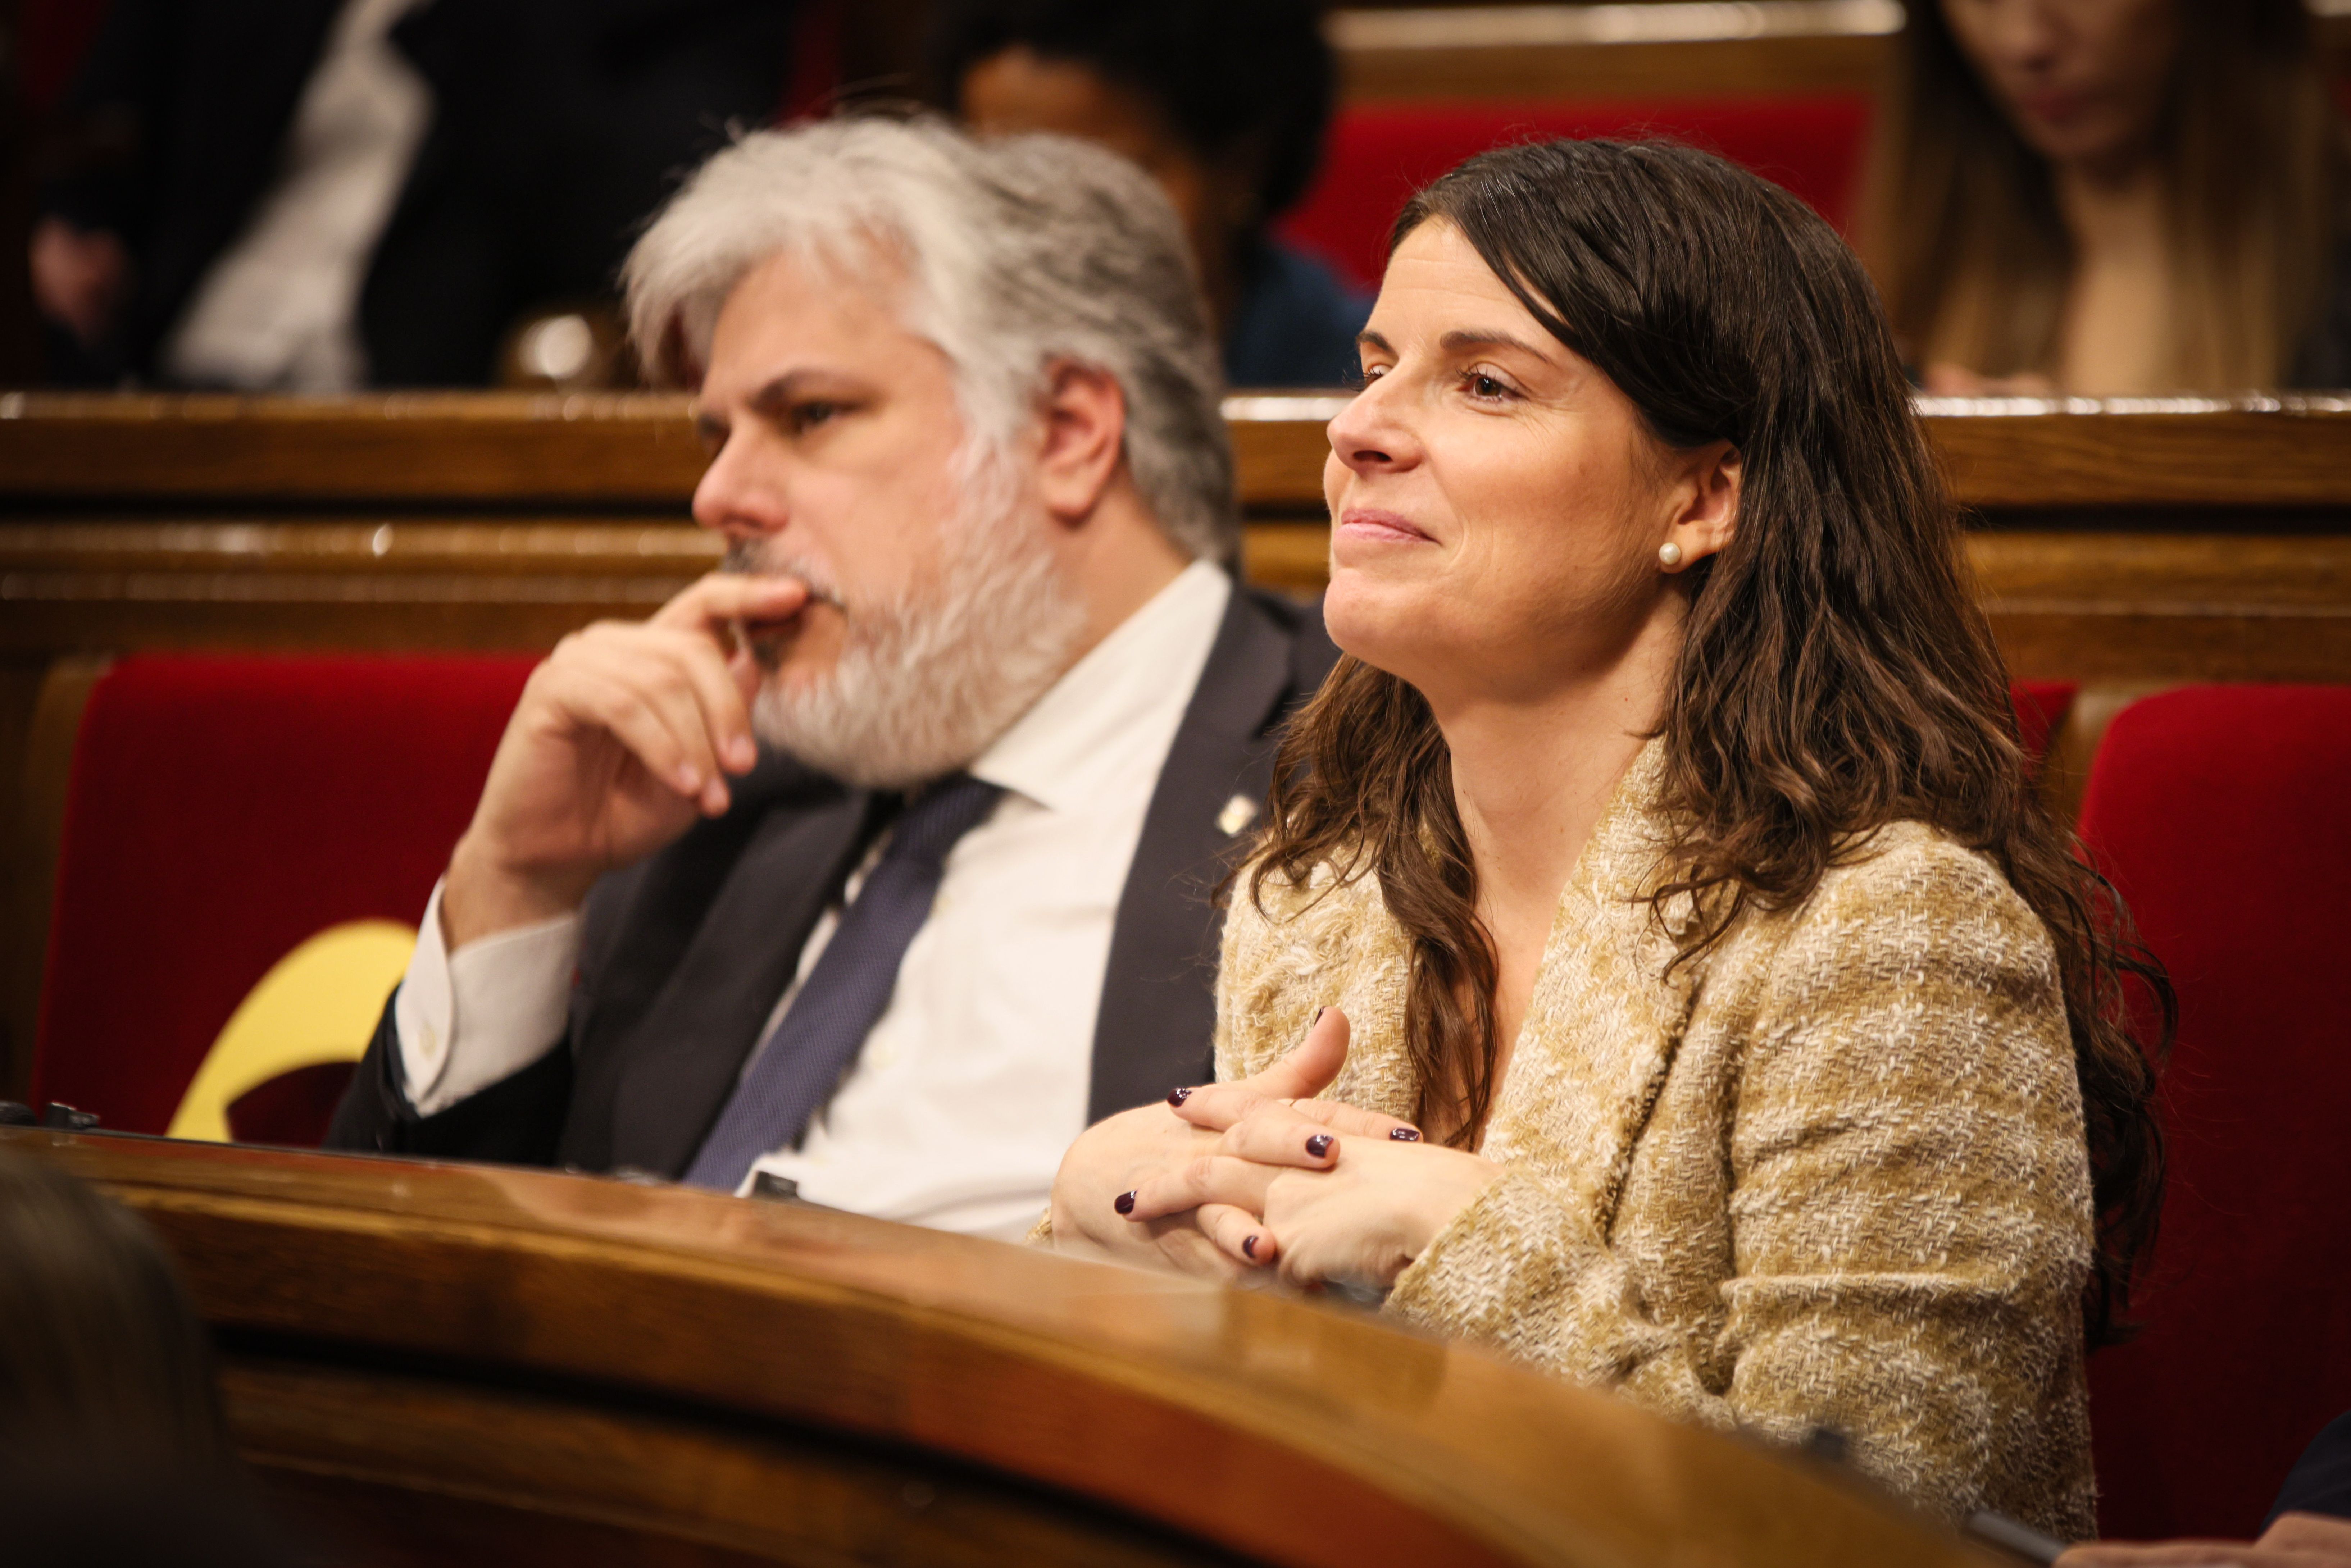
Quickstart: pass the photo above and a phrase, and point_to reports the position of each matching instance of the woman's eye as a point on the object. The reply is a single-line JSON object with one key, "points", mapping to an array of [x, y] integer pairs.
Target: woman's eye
{"points": [[1487, 387]]}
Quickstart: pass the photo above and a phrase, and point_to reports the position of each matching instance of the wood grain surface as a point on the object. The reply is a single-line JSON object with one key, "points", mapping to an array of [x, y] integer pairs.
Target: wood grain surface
{"points": [[783, 1383], [2066, 605], [621, 450], [636, 456], [1538, 51]]}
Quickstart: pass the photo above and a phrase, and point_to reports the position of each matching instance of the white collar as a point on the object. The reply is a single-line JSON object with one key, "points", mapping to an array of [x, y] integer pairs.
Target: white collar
{"points": [[1119, 705]]}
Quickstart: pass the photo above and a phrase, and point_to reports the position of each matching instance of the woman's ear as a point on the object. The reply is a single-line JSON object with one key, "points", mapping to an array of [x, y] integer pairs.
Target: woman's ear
{"points": [[1083, 414], [1706, 506]]}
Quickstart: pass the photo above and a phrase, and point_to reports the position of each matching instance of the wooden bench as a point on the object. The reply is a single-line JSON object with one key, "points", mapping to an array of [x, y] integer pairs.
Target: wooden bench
{"points": [[468, 1364]]}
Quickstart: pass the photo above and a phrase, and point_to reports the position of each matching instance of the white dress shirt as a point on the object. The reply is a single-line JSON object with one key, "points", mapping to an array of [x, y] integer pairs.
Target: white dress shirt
{"points": [[974, 1082], [279, 311]]}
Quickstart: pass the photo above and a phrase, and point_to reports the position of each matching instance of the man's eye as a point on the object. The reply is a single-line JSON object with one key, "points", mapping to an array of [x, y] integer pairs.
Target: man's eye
{"points": [[807, 415]]}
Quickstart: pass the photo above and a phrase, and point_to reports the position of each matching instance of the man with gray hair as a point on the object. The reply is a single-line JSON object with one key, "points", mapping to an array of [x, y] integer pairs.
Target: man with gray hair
{"points": [[878, 864]]}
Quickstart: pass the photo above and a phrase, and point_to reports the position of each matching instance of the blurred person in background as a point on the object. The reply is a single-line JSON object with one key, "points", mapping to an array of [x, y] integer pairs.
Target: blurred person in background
{"points": [[2112, 197], [113, 1447], [318, 195], [1225, 102]]}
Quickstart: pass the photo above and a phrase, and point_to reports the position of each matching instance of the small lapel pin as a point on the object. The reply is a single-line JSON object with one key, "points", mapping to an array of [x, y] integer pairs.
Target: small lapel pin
{"points": [[1239, 813]]}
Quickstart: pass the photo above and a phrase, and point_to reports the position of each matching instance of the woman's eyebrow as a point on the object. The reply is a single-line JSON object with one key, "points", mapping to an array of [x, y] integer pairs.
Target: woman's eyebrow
{"points": [[1367, 338], [1457, 342]]}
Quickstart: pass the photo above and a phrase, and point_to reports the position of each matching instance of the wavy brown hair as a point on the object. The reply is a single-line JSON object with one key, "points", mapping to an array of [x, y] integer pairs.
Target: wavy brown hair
{"points": [[1836, 676], [1961, 223]]}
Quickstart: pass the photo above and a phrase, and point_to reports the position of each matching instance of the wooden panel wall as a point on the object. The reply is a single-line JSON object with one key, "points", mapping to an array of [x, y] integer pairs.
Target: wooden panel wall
{"points": [[2164, 539]]}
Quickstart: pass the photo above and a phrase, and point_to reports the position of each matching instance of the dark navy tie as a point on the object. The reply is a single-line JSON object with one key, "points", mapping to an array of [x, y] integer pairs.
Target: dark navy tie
{"points": [[821, 1032]]}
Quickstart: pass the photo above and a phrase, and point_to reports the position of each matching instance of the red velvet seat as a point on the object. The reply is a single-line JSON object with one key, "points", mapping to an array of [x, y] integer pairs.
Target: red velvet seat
{"points": [[1378, 154], [222, 811], [2040, 710], [2220, 813]]}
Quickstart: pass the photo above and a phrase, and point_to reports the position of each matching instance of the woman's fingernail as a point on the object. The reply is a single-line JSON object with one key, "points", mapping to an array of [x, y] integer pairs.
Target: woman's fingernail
{"points": [[1123, 1203], [1319, 1144], [1249, 1248], [1177, 1096], [1405, 1134]]}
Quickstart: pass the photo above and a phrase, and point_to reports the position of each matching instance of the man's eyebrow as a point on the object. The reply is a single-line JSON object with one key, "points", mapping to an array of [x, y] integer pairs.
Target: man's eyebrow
{"points": [[1455, 342], [780, 392], [769, 401]]}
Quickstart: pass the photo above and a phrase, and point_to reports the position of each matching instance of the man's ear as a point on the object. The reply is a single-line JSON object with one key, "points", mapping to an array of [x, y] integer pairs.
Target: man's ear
{"points": [[1706, 516], [1085, 439]]}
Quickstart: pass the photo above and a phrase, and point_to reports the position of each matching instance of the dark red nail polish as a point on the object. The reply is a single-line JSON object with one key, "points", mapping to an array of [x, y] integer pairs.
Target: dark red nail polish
{"points": [[1123, 1203], [1319, 1144], [1405, 1134], [1177, 1096], [1249, 1248]]}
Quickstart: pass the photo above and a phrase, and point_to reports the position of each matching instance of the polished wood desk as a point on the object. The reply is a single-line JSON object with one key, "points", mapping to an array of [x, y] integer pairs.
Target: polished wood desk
{"points": [[457, 1365]]}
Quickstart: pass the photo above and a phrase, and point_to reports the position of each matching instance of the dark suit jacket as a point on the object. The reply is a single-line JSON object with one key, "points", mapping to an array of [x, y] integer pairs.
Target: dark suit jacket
{"points": [[558, 127], [2319, 1481], [683, 957]]}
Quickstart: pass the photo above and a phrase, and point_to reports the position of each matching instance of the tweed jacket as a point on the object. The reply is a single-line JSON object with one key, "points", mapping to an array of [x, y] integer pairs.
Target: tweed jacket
{"points": [[1831, 1172]]}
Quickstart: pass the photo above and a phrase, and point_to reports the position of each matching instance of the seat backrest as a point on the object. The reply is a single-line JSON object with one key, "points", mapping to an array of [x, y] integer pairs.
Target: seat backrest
{"points": [[223, 811], [2219, 814], [2041, 708], [1380, 153]]}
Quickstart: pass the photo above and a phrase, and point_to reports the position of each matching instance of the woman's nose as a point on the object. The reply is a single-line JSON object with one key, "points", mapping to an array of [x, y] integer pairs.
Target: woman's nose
{"points": [[2026, 35], [1367, 435]]}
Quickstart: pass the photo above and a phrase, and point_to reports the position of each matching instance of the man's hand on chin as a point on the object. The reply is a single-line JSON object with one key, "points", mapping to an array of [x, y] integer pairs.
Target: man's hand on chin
{"points": [[626, 734]]}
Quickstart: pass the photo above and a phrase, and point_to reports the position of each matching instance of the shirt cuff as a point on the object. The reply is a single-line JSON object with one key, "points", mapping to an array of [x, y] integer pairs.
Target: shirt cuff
{"points": [[471, 1018]]}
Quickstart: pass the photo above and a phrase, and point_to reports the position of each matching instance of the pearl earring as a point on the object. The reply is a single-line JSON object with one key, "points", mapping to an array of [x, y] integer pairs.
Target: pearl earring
{"points": [[1670, 554]]}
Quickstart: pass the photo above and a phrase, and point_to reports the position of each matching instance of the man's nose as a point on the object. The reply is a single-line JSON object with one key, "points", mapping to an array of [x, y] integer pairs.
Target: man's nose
{"points": [[734, 500]]}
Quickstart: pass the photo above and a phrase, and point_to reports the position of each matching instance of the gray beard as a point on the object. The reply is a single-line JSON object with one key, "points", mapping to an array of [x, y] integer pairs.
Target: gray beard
{"points": [[927, 681]]}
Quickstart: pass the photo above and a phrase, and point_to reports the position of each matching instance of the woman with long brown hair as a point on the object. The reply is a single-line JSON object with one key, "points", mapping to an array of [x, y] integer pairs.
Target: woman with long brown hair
{"points": [[1701, 1002], [2112, 197]]}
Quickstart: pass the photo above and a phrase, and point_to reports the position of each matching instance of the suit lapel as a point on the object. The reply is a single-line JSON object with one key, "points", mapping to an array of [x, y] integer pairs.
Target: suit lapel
{"points": [[1159, 1007], [1605, 1019], [689, 1046]]}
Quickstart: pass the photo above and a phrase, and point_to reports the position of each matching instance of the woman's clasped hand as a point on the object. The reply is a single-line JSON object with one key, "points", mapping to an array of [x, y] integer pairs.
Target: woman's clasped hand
{"points": [[1228, 1179]]}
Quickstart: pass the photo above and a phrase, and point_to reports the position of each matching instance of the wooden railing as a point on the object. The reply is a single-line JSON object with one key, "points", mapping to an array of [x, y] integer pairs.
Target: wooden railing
{"points": [[468, 1364], [1660, 49], [2157, 542]]}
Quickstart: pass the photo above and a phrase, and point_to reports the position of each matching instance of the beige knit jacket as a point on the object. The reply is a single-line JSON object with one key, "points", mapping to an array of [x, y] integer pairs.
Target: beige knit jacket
{"points": [[1831, 1174]]}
